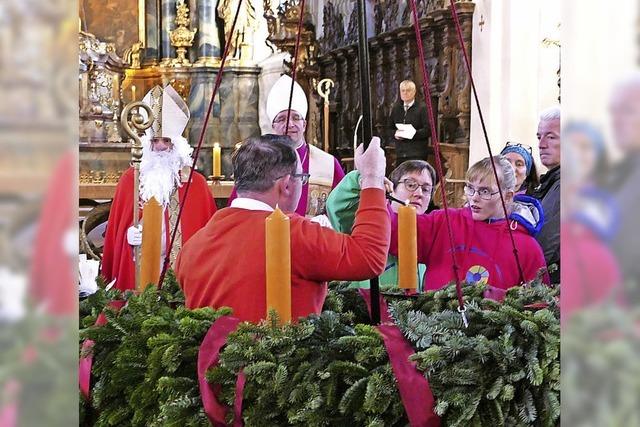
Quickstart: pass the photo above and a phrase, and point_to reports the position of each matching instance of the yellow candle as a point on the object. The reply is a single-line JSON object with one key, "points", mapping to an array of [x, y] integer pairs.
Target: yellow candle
{"points": [[217, 166], [133, 93], [151, 242], [278, 263], [407, 248]]}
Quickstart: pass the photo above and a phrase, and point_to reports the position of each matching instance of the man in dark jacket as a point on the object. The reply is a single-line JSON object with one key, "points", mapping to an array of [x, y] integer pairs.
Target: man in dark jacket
{"points": [[411, 112], [548, 192]]}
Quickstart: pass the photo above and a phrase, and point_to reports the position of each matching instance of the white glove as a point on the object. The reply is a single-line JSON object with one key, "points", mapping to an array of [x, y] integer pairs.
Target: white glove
{"points": [[134, 235], [371, 164]]}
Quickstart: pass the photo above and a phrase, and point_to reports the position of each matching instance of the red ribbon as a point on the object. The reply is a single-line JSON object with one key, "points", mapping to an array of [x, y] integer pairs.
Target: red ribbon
{"points": [[209, 355], [414, 387], [86, 361]]}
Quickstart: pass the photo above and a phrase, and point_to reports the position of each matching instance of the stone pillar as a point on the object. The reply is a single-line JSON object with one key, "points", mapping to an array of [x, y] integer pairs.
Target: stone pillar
{"points": [[234, 115], [207, 40], [167, 23], [152, 33]]}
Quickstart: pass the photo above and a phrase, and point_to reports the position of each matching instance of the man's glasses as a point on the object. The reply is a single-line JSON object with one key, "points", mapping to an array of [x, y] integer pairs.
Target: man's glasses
{"points": [[304, 177], [483, 192], [517, 144], [413, 185]]}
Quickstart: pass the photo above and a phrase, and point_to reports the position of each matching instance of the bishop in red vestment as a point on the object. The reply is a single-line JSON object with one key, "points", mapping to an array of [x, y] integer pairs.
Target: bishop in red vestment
{"points": [[165, 154]]}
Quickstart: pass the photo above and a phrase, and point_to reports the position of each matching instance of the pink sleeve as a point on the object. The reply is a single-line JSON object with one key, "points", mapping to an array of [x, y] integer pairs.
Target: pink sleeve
{"points": [[533, 261]]}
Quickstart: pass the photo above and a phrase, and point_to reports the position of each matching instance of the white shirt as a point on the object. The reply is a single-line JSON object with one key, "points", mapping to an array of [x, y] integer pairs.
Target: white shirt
{"points": [[257, 205], [407, 106], [250, 204]]}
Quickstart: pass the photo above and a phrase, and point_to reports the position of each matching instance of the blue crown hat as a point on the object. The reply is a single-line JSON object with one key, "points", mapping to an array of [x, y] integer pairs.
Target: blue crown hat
{"points": [[528, 159]]}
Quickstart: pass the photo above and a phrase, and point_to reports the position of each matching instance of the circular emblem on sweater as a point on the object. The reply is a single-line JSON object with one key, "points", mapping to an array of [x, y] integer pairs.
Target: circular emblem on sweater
{"points": [[477, 275]]}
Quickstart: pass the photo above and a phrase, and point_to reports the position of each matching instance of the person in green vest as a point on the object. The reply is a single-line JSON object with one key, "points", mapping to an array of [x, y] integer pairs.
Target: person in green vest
{"points": [[412, 180]]}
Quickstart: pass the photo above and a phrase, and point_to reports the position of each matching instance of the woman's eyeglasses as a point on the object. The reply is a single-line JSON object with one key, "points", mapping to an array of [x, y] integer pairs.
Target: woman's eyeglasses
{"points": [[517, 144], [484, 193], [413, 185]]}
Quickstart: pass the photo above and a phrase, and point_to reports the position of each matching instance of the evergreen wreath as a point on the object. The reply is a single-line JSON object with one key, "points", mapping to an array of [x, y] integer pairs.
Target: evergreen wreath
{"points": [[332, 368]]}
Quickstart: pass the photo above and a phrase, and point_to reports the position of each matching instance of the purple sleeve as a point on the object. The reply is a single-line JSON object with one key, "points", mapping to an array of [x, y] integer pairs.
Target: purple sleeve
{"points": [[338, 173], [232, 196]]}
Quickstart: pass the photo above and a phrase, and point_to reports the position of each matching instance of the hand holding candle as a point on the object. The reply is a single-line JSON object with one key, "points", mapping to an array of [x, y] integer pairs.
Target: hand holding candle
{"points": [[278, 265], [407, 248]]}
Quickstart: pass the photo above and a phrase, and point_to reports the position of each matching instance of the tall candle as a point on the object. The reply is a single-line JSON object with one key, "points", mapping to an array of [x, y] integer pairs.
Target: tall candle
{"points": [[133, 93], [278, 263], [151, 243], [407, 248], [217, 166]]}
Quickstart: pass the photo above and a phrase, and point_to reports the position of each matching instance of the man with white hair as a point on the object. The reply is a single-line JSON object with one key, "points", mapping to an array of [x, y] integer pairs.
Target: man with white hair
{"points": [[409, 111], [166, 158], [624, 109], [323, 170], [548, 192]]}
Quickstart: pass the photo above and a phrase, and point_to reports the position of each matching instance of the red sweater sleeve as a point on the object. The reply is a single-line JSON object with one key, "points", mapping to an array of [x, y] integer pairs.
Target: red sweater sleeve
{"points": [[321, 254]]}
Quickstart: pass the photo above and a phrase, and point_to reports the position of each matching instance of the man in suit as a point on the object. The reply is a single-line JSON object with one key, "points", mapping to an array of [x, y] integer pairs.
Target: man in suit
{"points": [[409, 111]]}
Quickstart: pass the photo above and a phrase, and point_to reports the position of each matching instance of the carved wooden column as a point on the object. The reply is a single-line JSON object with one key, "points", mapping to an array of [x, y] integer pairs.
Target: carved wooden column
{"points": [[462, 88], [378, 93], [354, 89], [344, 98], [407, 55]]}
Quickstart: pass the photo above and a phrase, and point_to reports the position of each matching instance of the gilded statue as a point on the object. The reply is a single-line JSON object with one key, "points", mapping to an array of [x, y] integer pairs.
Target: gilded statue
{"points": [[242, 38], [132, 55]]}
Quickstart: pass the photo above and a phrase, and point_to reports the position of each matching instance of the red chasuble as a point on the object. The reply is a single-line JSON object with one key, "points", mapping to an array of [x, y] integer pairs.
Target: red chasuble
{"points": [[117, 257]]}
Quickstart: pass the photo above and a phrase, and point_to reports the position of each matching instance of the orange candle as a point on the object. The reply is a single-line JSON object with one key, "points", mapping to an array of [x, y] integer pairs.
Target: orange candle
{"points": [[407, 248], [151, 242], [217, 166], [278, 263]]}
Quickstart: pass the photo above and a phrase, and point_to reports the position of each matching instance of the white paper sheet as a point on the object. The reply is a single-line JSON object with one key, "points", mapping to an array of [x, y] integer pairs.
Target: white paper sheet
{"points": [[405, 130]]}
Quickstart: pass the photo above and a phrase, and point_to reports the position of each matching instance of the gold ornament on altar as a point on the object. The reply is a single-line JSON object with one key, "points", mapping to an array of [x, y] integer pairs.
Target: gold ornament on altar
{"points": [[182, 36]]}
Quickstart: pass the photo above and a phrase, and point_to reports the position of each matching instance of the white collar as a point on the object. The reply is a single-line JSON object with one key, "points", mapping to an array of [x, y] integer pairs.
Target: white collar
{"points": [[250, 204], [407, 106]]}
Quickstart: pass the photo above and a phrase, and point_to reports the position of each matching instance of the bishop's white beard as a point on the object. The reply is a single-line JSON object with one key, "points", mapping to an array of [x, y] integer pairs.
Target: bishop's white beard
{"points": [[160, 170]]}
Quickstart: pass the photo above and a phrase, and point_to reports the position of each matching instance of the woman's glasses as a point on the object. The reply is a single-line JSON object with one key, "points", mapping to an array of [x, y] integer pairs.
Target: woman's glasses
{"points": [[483, 192], [413, 185]]}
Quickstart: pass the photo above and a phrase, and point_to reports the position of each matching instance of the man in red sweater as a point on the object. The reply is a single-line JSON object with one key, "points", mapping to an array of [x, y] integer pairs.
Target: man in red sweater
{"points": [[223, 264]]}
